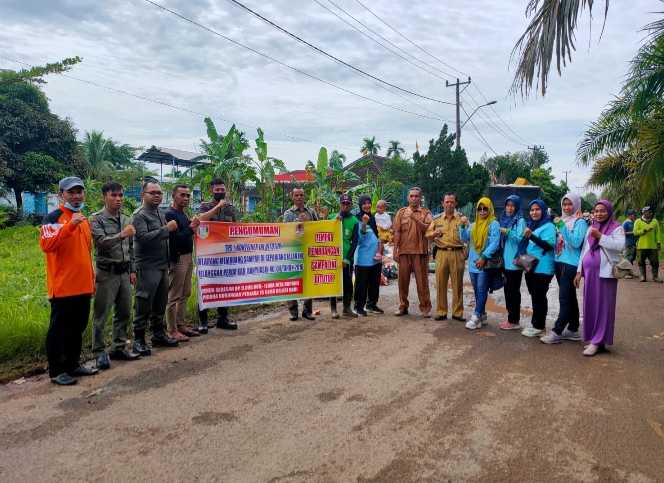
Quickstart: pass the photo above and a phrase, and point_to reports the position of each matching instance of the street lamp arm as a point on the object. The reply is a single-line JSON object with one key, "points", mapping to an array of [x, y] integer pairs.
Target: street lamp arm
{"points": [[476, 109]]}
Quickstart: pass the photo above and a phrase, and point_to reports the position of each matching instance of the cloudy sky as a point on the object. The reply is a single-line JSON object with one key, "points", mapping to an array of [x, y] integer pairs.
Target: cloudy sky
{"points": [[141, 49]]}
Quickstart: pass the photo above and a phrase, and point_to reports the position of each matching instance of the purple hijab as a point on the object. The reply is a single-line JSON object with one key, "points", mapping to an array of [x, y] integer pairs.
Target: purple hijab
{"points": [[605, 228]]}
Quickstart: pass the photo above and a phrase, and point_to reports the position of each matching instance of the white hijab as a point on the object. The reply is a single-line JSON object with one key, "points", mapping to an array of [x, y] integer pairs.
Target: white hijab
{"points": [[576, 202]]}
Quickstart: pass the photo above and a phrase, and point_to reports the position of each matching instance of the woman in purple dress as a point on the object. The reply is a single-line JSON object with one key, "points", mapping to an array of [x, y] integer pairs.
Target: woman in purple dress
{"points": [[601, 250]]}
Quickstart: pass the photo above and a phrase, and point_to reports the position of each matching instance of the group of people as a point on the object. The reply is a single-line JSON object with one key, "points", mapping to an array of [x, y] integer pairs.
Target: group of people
{"points": [[153, 251], [502, 249]]}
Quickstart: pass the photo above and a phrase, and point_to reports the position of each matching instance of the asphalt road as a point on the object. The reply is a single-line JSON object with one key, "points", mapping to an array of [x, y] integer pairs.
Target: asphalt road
{"points": [[375, 399]]}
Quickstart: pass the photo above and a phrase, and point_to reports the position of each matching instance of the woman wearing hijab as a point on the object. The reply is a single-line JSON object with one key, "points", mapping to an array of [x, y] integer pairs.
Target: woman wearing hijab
{"points": [[571, 231], [539, 240], [512, 227], [367, 268], [601, 250], [484, 237]]}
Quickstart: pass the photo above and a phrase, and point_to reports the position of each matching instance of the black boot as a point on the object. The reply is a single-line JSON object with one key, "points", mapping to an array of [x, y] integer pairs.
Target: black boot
{"points": [[333, 308], [160, 339], [223, 322], [202, 322], [140, 347], [347, 311]]}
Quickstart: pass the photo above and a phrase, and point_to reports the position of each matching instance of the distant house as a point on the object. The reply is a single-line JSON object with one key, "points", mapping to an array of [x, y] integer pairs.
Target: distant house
{"points": [[376, 168]]}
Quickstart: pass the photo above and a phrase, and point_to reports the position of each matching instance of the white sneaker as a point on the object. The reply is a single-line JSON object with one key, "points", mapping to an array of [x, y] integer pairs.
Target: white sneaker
{"points": [[474, 323], [533, 332]]}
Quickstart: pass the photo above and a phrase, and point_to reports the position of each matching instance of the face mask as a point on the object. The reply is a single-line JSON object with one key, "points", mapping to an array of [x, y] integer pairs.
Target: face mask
{"points": [[72, 208], [344, 214], [219, 196]]}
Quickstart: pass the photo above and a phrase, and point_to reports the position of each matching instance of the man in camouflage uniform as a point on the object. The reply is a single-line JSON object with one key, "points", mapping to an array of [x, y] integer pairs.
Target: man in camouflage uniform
{"points": [[112, 234], [152, 262], [217, 209]]}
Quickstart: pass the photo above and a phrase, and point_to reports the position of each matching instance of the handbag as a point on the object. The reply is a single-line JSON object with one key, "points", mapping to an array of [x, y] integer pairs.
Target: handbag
{"points": [[615, 269], [526, 262], [495, 263]]}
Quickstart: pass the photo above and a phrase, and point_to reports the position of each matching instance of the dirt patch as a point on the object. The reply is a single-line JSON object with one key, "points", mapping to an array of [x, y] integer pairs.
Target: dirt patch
{"points": [[330, 396], [212, 418]]}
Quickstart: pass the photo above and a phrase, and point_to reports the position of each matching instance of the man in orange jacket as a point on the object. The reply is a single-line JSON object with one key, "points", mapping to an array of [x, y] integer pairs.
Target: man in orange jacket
{"points": [[67, 241]]}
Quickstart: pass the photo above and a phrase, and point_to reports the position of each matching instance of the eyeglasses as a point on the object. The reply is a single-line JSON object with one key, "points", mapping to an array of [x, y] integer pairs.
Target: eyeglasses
{"points": [[154, 193], [482, 208]]}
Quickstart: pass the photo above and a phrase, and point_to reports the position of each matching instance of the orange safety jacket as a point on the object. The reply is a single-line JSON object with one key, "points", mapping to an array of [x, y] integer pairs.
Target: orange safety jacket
{"points": [[68, 255]]}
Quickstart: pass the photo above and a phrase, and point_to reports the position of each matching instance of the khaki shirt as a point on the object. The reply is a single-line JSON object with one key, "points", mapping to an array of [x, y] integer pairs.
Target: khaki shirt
{"points": [[293, 214], [450, 228], [110, 249], [227, 213], [412, 241]]}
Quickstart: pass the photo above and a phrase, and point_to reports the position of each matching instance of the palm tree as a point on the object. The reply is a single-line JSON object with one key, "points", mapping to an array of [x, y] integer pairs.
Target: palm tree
{"points": [[394, 150], [626, 143], [96, 150], [370, 146], [552, 28]]}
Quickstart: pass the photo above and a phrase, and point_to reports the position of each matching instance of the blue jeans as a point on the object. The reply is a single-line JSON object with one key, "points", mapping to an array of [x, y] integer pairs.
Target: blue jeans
{"points": [[480, 283], [569, 305]]}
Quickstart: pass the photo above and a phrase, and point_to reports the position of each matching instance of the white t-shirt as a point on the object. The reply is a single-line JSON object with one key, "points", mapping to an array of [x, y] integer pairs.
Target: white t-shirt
{"points": [[383, 220]]}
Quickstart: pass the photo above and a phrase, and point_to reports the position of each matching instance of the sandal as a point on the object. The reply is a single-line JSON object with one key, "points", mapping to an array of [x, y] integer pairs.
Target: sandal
{"points": [[188, 332], [178, 336]]}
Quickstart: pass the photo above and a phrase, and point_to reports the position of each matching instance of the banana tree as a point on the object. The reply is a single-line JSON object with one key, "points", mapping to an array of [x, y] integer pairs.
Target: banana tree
{"points": [[234, 170], [265, 173], [330, 180]]}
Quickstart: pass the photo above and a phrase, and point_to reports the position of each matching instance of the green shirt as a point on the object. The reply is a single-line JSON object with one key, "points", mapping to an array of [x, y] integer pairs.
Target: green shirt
{"points": [[647, 240], [347, 229]]}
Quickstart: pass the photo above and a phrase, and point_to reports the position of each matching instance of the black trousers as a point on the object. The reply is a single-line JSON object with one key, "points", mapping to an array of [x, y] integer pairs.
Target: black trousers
{"points": [[569, 304], [512, 290], [203, 314], [348, 281], [538, 286], [69, 318], [367, 285]]}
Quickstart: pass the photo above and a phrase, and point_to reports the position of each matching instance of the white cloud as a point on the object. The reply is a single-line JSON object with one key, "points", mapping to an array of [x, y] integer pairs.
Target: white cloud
{"points": [[139, 48]]}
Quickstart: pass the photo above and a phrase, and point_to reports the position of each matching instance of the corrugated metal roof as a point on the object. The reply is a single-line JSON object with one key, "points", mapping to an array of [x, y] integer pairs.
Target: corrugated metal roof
{"points": [[170, 156]]}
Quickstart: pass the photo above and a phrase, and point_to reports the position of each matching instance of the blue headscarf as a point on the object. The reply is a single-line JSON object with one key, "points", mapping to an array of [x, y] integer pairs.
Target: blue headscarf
{"points": [[534, 225], [507, 221]]}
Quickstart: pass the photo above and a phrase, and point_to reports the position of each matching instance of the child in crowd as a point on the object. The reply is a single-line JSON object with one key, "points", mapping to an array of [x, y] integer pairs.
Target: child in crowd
{"points": [[384, 224]]}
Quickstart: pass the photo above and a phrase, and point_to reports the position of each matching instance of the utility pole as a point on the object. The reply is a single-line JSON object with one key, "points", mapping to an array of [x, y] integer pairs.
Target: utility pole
{"points": [[458, 108], [535, 160], [566, 173]]}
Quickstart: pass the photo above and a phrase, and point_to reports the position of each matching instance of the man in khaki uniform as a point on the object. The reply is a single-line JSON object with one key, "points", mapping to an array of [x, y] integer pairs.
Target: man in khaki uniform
{"points": [[450, 262], [411, 249], [112, 234]]}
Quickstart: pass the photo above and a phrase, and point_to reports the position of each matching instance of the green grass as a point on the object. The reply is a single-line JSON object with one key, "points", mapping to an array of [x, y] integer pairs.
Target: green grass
{"points": [[25, 309]]}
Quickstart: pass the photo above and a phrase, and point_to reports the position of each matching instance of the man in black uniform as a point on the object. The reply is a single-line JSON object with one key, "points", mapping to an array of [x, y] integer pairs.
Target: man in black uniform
{"points": [[114, 255], [217, 209], [151, 254]]}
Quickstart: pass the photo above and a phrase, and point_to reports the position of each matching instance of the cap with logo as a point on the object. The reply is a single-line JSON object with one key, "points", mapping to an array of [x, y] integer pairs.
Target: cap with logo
{"points": [[345, 198], [68, 183], [646, 209]]}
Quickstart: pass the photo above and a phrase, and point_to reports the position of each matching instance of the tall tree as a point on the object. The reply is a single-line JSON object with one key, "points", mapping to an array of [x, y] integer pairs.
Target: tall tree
{"points": [[96, 150], [370, 146], [37, 147], [442, 169], [395, 151], [506, 168]]}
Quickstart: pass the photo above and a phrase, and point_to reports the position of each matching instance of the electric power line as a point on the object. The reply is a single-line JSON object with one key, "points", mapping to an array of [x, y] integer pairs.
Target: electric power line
{"points": [[322, 52], [413, 43], [386, 40], [296, 69], [485, 142], [492, 124], [444, 63], [180, 108]]}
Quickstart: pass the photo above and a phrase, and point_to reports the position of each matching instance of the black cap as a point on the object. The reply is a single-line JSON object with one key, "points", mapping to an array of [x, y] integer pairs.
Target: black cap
{"points": [[345, 198], [631, 212]]}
